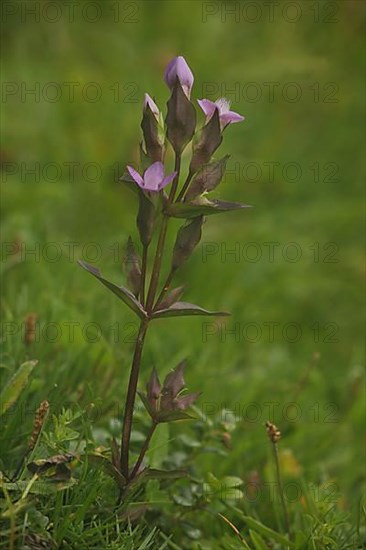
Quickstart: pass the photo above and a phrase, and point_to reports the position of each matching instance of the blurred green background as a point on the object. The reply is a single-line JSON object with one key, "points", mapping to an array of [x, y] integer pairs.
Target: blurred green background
{"points": [[310, 130]]}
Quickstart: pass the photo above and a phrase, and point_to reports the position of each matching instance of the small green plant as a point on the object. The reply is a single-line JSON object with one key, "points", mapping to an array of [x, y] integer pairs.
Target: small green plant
{"points": [[190, 201]]}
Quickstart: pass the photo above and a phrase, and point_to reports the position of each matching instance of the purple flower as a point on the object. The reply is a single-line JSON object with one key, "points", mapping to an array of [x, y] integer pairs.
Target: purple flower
{"points": [[153, 179], [148, 101], [178, 67], [171, 398], [223, 105]]}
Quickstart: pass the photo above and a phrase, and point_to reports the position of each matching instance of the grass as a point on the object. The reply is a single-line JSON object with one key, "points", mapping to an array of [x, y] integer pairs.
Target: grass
{"points": [[317, 401]]}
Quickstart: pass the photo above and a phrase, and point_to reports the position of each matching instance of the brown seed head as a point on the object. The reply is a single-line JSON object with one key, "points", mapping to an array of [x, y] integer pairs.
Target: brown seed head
{"points": [[30, 328], [38, 423], [273, 432]]}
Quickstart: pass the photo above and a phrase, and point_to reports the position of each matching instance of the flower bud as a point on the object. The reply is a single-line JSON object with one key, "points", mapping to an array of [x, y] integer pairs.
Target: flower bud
{"points": [[180, 119], [208, 141], [189, 235], [146, 218], [207, 178], [172, 297], [150, 129], [178, 68]]}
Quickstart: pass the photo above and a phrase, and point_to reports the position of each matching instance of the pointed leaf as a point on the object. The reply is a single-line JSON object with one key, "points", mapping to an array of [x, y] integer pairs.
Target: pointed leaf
{"points": [[181, 309], [173, 416], [16, 385], [123, 293], [202, 206], [259, 543], [266, 532]]}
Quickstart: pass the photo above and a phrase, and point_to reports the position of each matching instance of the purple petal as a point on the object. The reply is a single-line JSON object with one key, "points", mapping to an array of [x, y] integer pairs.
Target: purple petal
{"points": [[207, 106], [148, 101], [153, 176], [178, 67], [135, 176], [167, 180], [231, 117]]}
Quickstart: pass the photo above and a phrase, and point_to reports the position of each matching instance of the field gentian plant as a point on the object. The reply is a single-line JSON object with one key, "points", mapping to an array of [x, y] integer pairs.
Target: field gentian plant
{"points": [[188, 200]]}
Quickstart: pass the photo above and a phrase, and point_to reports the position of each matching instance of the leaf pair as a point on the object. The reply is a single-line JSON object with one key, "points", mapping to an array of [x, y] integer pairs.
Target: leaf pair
{"points": [[178, 309]]}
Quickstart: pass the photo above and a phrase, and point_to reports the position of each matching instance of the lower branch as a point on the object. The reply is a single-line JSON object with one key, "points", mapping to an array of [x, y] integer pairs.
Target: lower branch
{"points": [[130, 399], [144, 448]]}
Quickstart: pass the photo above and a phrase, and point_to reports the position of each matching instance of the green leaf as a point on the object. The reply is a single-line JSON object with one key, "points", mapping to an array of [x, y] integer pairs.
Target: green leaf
{"points": [[123, 293], [202, 206], [16, 385], [232, 481], [41, 487], [259, 543], [182, 309], [258, 527]]}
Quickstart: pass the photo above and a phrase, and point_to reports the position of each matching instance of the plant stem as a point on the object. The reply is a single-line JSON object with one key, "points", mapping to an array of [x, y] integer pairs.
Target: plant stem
{"points": [[131, 396], [185, 187], [135, 367], [280, 489], [173, 189], [157, 264], [165, 288], [144, 448], [161, 242], [143, 275]]}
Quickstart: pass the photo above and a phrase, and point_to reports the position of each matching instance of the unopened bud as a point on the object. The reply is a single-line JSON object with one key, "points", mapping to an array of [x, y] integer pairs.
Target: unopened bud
{"points": [[180, 119], [189, 235], [150, 129], [145, 219], [172, 297], [209, 177], [208, 141]]}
